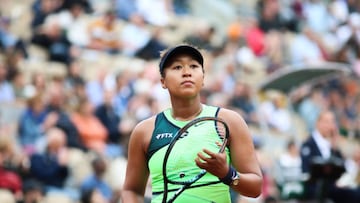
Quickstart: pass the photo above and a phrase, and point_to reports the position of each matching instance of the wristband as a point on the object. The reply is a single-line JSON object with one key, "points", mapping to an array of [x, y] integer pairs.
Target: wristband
{"points": [[230, 177]]}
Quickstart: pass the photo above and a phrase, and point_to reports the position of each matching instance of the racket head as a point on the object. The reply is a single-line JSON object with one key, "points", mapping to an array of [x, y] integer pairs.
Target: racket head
{"points": [[179, 165]]}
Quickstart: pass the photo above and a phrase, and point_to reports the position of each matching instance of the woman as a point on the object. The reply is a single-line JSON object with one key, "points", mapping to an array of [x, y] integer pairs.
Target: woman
{"points": [[92, 132], [182, 73]]}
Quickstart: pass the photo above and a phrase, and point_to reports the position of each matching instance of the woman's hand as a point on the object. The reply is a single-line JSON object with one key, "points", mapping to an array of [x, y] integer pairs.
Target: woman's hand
{"points": [[214, 163]]}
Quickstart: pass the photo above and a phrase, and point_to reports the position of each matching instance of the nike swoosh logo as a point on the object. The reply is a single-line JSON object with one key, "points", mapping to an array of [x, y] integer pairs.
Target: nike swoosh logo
{"points": [[198, 124]]}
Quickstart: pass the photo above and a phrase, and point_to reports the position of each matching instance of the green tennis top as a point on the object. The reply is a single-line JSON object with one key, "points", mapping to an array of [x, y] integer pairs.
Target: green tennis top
{"points": [[165, 128]]}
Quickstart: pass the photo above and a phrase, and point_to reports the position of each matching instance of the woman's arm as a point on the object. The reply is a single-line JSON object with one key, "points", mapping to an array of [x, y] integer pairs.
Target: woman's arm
{"points": [[137, 172], [243, 158], [243, 155]]}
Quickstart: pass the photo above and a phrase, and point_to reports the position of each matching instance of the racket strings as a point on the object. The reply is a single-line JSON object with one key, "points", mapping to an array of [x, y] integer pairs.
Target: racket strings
{"points": [[181, 166]]}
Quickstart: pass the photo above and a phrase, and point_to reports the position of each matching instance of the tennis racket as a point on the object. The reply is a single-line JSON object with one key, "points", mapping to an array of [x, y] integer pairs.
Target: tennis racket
{"points": [[179, 167]]}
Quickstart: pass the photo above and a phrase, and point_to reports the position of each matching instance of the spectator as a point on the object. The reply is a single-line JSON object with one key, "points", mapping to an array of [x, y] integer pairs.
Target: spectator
{"points": [[92, 132], [74, 74], [346, 36], [9, 179], [291, 13], [337, 104], [142, 106], [74, 84], [307, 48], [33, 123], [269, 15], [10, 42], [288, 175], [95, 88], [124, 91], [55, 109], [322, 146], [96, 180], [153, 47], [242, 102], [134, 35], [106, 114], [41, 9], [18, 84], [138, 40], [104, 34], [203, 38], [51, 35], [266, 164], [255, 37], [275, 113], [13, 61], [33, 192], [311, 106], [50, 167]]}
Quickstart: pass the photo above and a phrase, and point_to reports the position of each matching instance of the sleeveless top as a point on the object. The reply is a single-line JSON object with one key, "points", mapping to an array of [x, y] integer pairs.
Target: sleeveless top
{"points": [[165, 128]]}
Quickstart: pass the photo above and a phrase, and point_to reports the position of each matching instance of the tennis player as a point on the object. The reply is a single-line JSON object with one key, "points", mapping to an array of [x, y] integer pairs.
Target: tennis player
{"points": [[182, 74]]}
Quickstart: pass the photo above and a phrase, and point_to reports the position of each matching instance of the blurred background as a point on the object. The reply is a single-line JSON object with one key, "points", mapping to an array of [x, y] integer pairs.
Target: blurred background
{"points": [[77, 75]]}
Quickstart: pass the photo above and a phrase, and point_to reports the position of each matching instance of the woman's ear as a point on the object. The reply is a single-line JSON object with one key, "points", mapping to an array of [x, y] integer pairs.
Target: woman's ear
{"points": [[163, 85], [203, 82]]}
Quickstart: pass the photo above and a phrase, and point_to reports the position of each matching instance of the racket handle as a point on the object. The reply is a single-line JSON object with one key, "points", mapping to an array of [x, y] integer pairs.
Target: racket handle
{"points": [[230, 176]]}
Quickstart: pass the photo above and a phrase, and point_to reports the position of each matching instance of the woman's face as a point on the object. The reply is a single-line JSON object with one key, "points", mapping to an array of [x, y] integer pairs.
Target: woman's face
{"points": [[184, 77]]}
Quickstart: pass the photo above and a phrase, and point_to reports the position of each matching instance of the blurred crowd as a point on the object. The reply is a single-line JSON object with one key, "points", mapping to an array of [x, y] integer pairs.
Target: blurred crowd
{"points": [[63, 134]]}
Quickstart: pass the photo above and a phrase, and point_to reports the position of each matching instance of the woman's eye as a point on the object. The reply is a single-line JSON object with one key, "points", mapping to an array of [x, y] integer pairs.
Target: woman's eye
{"points": [[177, 67], [194, 66]]}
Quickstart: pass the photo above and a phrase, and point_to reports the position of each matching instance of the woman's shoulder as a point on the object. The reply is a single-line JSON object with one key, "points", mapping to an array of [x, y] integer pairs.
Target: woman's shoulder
{"points": [[228, 113], [146, 125], [142, 131], [231, 117]]}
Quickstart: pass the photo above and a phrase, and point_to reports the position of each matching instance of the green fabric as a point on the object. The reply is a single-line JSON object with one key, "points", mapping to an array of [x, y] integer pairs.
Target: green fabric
{"points": [[218, 193], [166, 127]]}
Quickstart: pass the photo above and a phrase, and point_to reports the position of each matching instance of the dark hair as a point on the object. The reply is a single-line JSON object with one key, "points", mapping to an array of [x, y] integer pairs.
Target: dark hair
{"points": [[32, 185]]}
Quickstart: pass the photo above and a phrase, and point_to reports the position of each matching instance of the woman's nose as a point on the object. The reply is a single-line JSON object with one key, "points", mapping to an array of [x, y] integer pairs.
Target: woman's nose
{"points": [[186, 70]]}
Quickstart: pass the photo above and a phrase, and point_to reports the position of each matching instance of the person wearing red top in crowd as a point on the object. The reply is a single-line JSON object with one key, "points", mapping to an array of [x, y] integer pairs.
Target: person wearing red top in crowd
{"points": [[8, 179]]}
